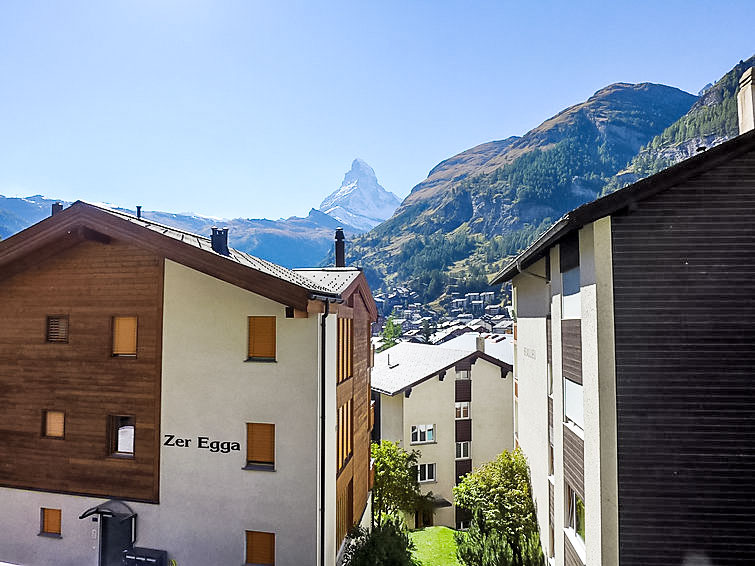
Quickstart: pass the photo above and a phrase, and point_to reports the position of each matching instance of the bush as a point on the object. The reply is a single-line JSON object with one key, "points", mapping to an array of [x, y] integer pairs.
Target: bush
{"points": [[388, 544]]}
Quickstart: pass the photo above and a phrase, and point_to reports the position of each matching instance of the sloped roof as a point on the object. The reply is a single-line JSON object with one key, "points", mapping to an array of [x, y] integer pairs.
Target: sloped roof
{"points": [[626, 198], [82, 221], [411, 364]]}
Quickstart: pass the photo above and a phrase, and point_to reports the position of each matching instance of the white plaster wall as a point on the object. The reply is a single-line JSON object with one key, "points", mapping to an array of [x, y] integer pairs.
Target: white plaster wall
{"points": [[392, 418], [491, 411], [433, 402], [531, 309]]}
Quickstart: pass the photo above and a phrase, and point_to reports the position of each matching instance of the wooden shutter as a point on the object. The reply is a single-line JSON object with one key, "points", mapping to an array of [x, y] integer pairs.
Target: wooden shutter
{"points": [[54, 423], [57, 329], [260, 443], [262, 337], [51, 521], [124, 336], [260, 548]]}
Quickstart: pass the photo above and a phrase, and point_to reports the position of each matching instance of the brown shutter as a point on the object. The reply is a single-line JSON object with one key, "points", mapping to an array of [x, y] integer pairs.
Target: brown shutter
{"points": [[262, 337], [57, 329], [463, 467], [349, 347], [260, 548], [124, 336], [463, 430], [260, 443], [54, 423], [463, 390], [51, 521]]}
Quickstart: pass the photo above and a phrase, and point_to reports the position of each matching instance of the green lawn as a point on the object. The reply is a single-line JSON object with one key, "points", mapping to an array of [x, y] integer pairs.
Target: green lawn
{"points": [[435, 546]]}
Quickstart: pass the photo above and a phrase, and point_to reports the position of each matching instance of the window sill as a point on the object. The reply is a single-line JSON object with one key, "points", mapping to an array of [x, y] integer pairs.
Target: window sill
{"points": [[577, 543], [575, 429], [263, 360], [117, 456], [423, 482], [423, 442], [260, 467], [50, 535], [124, 356]]}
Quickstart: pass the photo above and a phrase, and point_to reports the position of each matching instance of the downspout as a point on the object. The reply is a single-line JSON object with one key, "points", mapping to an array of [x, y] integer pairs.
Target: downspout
{"points": [[323, 384]]}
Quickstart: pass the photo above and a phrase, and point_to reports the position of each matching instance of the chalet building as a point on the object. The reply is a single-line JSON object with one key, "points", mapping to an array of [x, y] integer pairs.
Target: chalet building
{"points": [[454, 406], [170, 396], [633, 363]]}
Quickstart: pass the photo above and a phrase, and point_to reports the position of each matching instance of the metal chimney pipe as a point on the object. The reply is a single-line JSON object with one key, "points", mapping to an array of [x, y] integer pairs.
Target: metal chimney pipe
{"points": [[219, 240], [340, 248], [746, 102], [138, 211]]}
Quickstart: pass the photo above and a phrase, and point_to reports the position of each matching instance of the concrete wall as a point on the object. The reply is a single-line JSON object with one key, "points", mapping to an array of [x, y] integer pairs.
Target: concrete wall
{"points": [[207, 500]]}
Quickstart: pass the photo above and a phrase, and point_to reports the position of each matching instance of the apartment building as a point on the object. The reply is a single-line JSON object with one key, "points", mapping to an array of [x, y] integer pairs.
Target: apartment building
{"points": [[169, 395], [454, 406], [634, 357]]}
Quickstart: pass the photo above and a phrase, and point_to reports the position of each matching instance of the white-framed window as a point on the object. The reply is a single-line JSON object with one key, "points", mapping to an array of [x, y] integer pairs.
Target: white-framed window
{"points": [[462, 410], [423, 433], [462, 374], [426, 472], [571, 305], [462, 525], [576, 513], [462, 450]]}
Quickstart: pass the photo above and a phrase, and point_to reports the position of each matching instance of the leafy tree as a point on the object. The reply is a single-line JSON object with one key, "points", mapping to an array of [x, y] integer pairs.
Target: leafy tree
{"points": [[391, 333], [396, 487], [504, 528], [388, 544], [427, 331]]}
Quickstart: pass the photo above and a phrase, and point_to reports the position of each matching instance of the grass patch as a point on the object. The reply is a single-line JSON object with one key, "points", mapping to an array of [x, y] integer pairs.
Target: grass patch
{"points": [[435, 546]]}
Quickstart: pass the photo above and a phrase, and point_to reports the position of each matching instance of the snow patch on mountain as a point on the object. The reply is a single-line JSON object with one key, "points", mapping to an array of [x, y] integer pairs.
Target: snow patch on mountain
{"points": [[360, 201]]}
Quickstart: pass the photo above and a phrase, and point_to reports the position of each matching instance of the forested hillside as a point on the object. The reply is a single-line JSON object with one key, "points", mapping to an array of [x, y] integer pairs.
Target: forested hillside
{"points": [[458, 226]]}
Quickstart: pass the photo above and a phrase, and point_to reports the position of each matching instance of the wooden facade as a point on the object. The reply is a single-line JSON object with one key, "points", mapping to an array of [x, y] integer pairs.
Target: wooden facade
{"points": [[89, 283]]}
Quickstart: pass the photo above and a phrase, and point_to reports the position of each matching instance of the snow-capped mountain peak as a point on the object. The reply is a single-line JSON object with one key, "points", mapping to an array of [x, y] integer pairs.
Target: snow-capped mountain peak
{"points": [[360, 201]]}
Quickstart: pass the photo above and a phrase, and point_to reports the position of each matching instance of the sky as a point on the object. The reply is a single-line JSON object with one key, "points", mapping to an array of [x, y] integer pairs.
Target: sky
{"points": [[256, 109]]}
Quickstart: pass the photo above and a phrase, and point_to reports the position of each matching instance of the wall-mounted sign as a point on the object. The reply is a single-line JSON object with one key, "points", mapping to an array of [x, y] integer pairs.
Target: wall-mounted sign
{"points": [[529, 352], [203, 443]]}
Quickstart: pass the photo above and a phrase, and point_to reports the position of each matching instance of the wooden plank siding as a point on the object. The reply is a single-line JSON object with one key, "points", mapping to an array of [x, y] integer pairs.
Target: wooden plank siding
{"points": [[571, 558], [571, 349], [684, 282], [574, 461], [357, 473], [90, 283]]}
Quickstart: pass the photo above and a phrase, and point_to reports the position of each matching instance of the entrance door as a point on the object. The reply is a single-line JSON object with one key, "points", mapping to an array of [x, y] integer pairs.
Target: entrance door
{"points": [[115, 537]]}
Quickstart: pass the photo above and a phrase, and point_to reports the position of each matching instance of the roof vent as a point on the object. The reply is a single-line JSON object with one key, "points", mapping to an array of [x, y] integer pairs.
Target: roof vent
{"points": [[219, 240], [746, 102], [56, 207], [138, 211], [340, 248]]}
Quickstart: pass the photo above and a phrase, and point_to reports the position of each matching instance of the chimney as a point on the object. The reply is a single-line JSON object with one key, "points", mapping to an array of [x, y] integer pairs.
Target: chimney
{"points": [[220, 240], [746, 102], [56, 207], [340, 248], [138, 211], [480, 343]]}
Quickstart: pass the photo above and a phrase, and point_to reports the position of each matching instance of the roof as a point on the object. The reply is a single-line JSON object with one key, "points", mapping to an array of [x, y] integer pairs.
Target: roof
{"points": [[499, 346], [85, 221], [411, 364], [626, 199]]}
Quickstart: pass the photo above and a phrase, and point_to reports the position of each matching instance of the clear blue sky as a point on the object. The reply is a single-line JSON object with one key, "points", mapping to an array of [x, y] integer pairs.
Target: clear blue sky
{"points": [[256, 109]]}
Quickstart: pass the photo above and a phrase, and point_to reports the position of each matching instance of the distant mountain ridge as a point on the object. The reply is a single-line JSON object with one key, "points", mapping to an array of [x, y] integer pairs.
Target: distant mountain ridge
{"points": [[360, 201], [291, 242]]}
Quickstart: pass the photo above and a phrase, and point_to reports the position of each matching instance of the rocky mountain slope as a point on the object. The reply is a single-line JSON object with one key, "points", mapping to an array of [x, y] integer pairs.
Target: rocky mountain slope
{"points": [[480, 206], [360, 201], [710, 121]]}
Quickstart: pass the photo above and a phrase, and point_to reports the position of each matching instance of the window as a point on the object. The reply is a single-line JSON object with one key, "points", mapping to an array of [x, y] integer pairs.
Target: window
{"points": [[124, 336], [49, 522], [550, 379], [571, 305], [550, 460], [345, 434], [345, 349], [573, 403], [462, 410], [57, 328], [426, 472], [423, 433], [260, 548], [260, 446], [576, 513], [462, 449], [121, 436], [53, 424], [261, 338], [462, 374], [462, 525]]}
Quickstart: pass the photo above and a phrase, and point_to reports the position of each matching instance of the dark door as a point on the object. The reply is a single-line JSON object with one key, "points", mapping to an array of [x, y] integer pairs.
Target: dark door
{"points": [[115, 537]]}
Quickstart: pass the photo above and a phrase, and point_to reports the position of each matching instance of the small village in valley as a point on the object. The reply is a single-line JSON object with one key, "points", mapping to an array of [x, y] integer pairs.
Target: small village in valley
{"points": [[542, 355]]}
